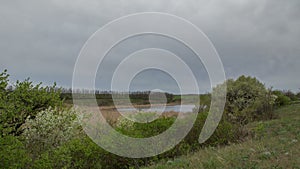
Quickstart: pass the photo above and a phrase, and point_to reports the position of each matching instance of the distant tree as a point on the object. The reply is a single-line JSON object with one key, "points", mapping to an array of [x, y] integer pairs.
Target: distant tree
{"points": [[291, 95]]}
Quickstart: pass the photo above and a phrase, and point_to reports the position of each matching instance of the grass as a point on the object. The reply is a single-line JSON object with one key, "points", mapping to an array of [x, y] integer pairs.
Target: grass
{"points": [[274, 144]]}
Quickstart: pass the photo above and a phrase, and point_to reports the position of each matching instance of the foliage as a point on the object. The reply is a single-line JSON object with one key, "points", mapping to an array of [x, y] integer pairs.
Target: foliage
{"points": [[3, 82], [205, 100], [281, 98], [50, 129], [298, 95], [277, 147], [77, 153], [224, 133], [26, 99], [291, 95], [83, 153], [105, 98], [3, 97], [13, 153], [247, 100], [143, 130], [52, 136]]}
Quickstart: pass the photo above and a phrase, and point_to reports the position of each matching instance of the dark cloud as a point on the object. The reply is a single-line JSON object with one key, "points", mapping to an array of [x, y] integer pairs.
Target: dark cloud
{"points": [[42, 39]]}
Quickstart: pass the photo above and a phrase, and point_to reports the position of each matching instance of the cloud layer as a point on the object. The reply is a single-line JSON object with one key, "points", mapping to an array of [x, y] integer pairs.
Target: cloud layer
{"points": [[42, 39]]}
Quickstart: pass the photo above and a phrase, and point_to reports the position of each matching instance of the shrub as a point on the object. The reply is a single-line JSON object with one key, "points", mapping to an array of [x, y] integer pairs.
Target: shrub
{"points": [[13, 153], [81, 153], [247, 99], [143, 130], [50, 129], [281, 98], [23, 101], [73, 154], [224, 133]]}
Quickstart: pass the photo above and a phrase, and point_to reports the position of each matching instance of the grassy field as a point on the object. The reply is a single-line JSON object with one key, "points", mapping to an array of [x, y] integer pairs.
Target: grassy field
{"points": [[273, 144]]}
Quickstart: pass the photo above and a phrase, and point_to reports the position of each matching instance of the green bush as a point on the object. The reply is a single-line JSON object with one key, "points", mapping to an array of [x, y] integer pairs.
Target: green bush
{"points": [[281, 98], [82, 153], [143, 130], [78, 153], [224, 133], [26, 99]]}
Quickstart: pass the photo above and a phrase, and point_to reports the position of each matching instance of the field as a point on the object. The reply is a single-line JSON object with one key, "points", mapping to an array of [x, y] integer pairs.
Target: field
{"points": [[274, 144]]}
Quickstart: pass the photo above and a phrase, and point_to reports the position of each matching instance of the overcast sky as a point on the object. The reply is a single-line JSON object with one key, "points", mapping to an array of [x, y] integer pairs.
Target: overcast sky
{"points": [[41, 39]]}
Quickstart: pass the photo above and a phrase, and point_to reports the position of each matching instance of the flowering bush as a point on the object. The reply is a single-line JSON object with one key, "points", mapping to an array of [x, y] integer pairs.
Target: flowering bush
{"points": [[50, 129], [124, 123]]}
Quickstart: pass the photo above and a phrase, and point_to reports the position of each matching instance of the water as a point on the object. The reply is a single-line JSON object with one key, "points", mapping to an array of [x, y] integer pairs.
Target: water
{"points": [[176, 108]]}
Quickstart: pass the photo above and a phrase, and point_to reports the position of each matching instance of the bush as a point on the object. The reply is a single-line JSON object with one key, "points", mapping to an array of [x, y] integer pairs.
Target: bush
{"points": [[81, 153], [13, 153], [77, 153], [247, 100], [50, 129], [224, 133], [23, 101], [281, 98], [143, 130]]}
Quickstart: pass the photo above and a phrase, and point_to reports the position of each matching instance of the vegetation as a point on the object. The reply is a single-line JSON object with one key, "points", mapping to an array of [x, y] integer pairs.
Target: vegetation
{"points": [[23, 101], [38, 131], [274, 144], [281, 99], [105, 98], [50, 129]]}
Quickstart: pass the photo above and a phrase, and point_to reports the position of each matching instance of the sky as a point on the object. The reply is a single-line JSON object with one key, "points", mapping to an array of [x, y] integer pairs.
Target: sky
{"points": [[42, 39]]}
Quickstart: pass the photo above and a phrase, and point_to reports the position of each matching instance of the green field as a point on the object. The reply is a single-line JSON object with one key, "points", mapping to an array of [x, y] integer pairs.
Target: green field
{"points": [[273, 144]]}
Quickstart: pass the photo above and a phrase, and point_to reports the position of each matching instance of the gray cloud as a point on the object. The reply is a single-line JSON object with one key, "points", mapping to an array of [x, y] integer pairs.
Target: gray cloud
{"points": [[42, 39]]}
